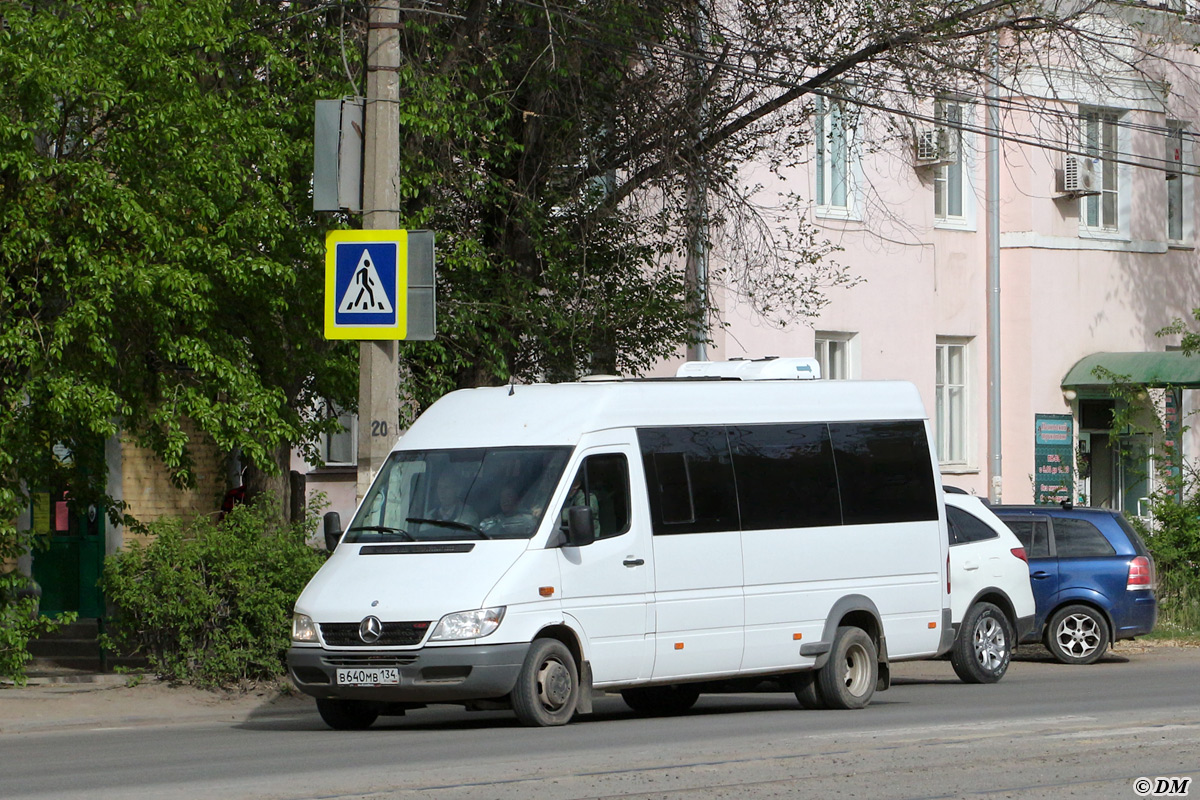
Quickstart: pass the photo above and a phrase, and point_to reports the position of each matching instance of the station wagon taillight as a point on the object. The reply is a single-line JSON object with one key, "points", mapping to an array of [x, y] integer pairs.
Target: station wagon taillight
{"points": [[1141, 574], [1019, 552]]}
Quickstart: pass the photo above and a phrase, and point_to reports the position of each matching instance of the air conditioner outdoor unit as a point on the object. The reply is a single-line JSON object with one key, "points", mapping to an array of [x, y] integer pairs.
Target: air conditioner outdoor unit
{"points": [[1080, 176], [935, 147]]}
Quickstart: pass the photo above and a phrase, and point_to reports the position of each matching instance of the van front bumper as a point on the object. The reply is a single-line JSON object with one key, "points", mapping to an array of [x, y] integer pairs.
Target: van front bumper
{"points": [[427, 675]]}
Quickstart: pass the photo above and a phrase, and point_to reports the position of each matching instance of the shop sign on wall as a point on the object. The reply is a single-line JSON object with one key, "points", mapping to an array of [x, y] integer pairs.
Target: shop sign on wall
{"points": [[1054, 442]]}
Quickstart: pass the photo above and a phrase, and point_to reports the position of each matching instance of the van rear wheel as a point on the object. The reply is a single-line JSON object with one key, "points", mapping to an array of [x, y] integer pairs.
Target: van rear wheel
{"points": [[547, 689], [661, 701], [849, 677]]}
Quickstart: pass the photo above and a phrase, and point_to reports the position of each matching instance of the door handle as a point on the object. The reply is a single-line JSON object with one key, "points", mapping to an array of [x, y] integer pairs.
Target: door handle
{"points": [[970, 565], [633, 562], [1040, 575]]}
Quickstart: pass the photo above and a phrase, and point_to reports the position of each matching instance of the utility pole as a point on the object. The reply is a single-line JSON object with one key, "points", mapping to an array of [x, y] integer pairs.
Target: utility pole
{"points": [[696, 264], [378, 370], [995, 460]]}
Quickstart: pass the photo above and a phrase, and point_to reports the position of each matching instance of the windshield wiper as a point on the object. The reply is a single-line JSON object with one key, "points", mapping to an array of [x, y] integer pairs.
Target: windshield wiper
{"points": [[382, 529], [449, 523]]}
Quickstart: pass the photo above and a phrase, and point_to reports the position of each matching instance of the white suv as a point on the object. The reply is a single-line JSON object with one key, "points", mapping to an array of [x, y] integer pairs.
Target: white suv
{"points": [[991, 601]]}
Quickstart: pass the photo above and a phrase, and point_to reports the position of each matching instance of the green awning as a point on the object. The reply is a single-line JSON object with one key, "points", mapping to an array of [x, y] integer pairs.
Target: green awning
{"points": [[1144, 369]]}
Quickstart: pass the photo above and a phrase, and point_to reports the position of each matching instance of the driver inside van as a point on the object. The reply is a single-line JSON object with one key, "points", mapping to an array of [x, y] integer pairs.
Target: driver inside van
{"points": [[512, 518], [450, 506]]}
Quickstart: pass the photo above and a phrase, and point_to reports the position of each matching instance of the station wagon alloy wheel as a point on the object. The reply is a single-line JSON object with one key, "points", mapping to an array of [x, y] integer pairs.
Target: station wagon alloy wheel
{"points": [[1077, 634]]}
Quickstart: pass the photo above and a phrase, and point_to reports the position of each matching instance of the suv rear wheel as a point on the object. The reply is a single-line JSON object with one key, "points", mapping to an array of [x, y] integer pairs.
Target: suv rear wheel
{"points": [[1077, 634]]}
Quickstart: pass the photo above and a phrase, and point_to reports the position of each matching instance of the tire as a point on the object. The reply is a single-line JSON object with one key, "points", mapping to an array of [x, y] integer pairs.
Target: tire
{"points": [[983, 648], [661, 701], [848, 679], [547, 689], [808, 692], [347, 715], [1077, 634]]}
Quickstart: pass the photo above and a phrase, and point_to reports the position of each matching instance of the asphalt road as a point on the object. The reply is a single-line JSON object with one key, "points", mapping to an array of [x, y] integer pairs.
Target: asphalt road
{"points": [[1045, 731]]}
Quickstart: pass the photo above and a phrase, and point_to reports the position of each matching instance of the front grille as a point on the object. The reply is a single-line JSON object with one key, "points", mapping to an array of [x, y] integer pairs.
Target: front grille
{"points": [[395, 634], [367, 662]]}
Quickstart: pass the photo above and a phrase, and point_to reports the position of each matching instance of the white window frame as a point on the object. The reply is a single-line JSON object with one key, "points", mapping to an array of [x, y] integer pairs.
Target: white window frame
{"points": [[1179, 228], [953, 393], [833, 174], [837, 353], [1103, 137], [348, 438], [952, 114]]}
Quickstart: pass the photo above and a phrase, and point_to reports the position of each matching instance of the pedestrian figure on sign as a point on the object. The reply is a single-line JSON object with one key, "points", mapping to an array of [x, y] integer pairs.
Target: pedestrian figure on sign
{"points": [[364, 280]]}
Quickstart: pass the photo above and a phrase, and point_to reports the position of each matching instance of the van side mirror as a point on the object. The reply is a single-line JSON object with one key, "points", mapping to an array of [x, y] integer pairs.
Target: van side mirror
{"points": [[581, 527], [333, 530]]}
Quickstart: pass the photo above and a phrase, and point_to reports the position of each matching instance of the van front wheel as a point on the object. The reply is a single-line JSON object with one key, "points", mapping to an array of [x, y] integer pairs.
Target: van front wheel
{"points": [[849, 676], [547, 688]]}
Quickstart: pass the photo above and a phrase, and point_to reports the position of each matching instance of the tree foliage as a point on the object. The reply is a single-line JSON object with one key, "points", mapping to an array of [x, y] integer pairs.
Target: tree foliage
{"points": [[573, 156], [158, 255]]}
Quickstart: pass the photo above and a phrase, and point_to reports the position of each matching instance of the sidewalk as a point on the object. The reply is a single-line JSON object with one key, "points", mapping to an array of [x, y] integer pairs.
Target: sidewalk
{"points": [[84, 700]]}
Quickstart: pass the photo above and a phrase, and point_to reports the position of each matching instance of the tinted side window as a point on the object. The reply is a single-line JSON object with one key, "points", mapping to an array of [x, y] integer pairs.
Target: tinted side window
{"points": [[966, 527], [1078, 538], [602, 484], [785, 476], [885, 473], [689, 476], [1034, 535]]}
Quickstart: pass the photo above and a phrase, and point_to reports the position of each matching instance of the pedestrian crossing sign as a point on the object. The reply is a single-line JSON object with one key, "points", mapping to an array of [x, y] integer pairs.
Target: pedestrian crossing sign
{"points": [[366, 284]]}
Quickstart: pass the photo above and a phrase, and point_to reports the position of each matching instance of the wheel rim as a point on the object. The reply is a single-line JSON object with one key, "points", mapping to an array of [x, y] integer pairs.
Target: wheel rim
{"points": [[857, 675], [990, 644], [554, 685], [1078, 635]]}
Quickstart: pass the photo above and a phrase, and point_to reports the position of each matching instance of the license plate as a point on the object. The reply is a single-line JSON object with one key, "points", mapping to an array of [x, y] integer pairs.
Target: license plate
{"points": [[386, 676]]}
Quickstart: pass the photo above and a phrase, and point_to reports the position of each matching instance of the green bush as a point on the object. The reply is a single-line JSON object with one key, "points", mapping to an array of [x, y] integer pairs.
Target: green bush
{"points": [[1174, 539], [19, 623], [210, 604]]}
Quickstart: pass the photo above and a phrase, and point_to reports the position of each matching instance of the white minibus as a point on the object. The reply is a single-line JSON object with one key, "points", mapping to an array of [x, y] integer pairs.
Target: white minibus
{"points": [[526, 546]]}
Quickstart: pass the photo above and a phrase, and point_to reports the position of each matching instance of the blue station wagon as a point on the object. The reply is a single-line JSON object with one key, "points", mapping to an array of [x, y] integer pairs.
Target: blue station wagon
{"points": [[1093, 578]]}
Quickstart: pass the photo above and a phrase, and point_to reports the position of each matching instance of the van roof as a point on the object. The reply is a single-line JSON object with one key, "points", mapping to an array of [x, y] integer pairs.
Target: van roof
{"points": [[550, 414]]}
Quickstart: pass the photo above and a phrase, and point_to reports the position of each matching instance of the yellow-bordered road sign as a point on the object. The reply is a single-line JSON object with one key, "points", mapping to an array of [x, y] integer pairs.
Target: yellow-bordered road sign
{"points": [[366, 284]]}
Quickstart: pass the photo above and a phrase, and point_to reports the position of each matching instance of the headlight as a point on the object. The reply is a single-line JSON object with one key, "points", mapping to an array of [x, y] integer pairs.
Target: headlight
{"points": [[468, 624], [303, 628]]}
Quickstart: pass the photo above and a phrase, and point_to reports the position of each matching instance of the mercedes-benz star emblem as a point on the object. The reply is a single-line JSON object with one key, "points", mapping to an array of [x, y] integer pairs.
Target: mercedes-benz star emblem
{"points": [[370, 629]]}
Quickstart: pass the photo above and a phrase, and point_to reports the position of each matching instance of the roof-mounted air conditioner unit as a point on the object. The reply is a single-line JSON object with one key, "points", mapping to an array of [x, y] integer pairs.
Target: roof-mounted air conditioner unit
{"points": [[935, 147], [1080, 176]]}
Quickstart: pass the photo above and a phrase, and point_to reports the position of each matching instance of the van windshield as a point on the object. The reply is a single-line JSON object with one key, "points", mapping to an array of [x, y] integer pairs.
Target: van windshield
{"points": [[479, 493]]}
